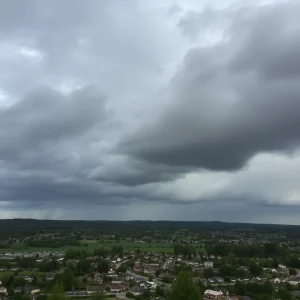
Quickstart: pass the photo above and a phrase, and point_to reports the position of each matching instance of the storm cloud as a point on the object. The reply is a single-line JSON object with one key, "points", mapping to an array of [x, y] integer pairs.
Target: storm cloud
{"points": [[231, 100], [150, 110]]}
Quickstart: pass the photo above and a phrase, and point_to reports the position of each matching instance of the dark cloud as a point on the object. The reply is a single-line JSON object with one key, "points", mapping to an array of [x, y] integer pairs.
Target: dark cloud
{"points": [[45, 117], [231, 100], [111, 133]]}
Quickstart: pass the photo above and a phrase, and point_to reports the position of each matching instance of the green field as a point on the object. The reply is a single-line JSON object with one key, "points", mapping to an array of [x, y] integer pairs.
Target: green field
{"points": [[91, 245]]}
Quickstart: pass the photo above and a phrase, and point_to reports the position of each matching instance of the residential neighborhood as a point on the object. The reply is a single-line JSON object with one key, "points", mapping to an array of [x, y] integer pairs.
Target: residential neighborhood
{"points": [[150, 265]]}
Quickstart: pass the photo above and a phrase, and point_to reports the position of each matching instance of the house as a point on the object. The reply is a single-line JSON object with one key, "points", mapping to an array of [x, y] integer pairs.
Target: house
{"points": [[93, 289], [210, 294], [274, 271], [127, 277], [97, 279], [293, 282], [208, 264], [3, 290], [139, 279], [28, 278], [137, 290], [116, 288], [197, 270], [276, 280], [112, 275], [149, 285], [117, 280], [151, 269], [77, 293], [31, 290], [49, 277], [137, 268], [296, 294], [18, 289], [281, 266], [223, 290]]}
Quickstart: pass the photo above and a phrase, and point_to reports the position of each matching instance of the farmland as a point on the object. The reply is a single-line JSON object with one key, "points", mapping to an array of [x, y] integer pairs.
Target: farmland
{"points": [[91, 245]]}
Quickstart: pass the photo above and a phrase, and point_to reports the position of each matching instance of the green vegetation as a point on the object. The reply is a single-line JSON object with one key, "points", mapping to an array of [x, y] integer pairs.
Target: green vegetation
{"points": [[185, 289]]}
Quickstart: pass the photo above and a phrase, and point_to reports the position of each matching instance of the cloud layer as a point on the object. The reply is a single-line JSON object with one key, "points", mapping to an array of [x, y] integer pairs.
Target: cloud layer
{"points": [[156, 111]]}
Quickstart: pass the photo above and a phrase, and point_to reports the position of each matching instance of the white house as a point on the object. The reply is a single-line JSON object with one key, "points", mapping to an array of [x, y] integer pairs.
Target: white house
{"points": [[280, 266], [293, 282], [3, 289], [274, 271], [149, 285], [208, 264], [210, 294], [276, 280]]}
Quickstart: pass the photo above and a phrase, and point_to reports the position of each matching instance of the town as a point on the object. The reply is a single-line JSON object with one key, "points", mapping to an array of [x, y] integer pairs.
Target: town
{"points": [[149, 260]]}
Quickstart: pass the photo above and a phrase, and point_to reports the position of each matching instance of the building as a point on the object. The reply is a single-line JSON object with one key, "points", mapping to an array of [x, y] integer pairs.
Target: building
{"points": [[137, 268], [149, 285], [93, 289], [151, 269], [116, 288], [137, 290], [3, 289], [31, 290], [208, 264], [210, 294], [280, 266]]}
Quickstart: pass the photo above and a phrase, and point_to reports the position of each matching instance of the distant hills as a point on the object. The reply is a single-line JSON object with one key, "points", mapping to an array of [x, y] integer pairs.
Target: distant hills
{"points": [[143, 225]]}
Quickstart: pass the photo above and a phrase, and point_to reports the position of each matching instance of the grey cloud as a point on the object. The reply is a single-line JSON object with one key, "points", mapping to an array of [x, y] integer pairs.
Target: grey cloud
{"points": [[130, 172], [227, 106], [75, 151], [45, 117]]}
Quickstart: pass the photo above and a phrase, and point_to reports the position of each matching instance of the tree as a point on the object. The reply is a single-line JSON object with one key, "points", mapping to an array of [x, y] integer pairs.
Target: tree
{"points": [[239, 288], [231, 258], [284, 294], [103, 266], [255, 269], [208, 273], [68, 279], [268, 287], [57, 292], [159, 291], [122, 269], [185, 289], [292, 272], [129, 295]]}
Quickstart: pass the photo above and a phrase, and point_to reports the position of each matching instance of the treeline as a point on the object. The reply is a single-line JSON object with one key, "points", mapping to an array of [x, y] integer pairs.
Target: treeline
{"points": [[133, 226], [100, 252], [185, 250], [52, 243], [252, 251], [49, 265], [261, 291]]}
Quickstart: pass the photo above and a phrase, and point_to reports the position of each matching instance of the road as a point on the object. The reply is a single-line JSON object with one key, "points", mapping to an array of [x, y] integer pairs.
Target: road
{"points": [[121, 295], [120, 263]]}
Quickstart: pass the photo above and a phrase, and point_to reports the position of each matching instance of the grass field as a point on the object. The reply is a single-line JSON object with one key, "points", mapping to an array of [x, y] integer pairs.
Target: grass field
{"points": [[91, 245]]}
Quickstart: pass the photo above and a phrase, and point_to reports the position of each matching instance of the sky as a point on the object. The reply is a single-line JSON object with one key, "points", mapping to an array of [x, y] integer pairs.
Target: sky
{"points": [[150, 110]]}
